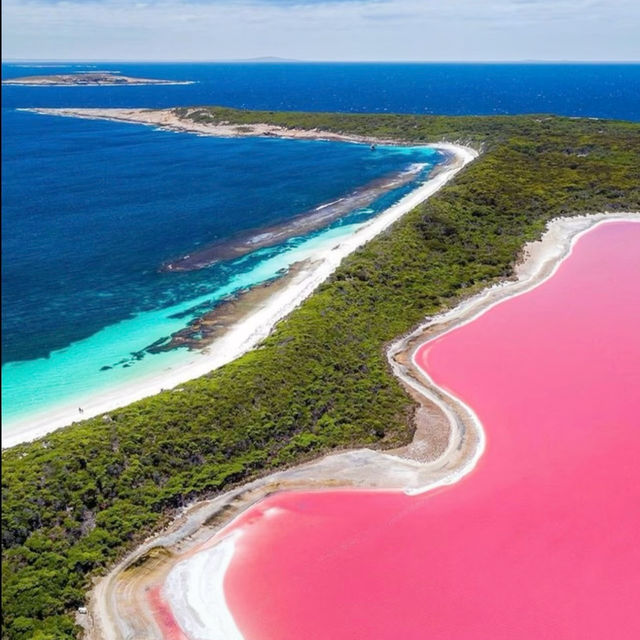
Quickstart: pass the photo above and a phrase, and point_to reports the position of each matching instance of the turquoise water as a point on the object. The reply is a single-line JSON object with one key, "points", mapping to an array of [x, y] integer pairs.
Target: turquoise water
{"points": [[72, 374], [93, 209]]}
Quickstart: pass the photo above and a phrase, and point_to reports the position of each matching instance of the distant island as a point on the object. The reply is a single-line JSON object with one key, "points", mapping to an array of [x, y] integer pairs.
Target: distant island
{"points": [[266, 59], [87, 78]]}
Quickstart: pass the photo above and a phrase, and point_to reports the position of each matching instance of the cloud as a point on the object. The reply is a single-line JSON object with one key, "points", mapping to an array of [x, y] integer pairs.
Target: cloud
{"points": [[321, 29]]}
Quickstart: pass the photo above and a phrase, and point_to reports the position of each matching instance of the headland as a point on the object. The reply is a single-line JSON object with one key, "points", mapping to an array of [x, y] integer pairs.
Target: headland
{"points": [[320, 383], [200, 121]]}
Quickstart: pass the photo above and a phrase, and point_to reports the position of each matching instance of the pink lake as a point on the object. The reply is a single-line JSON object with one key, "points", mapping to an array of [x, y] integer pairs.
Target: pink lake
{"points": [[541, 540]]}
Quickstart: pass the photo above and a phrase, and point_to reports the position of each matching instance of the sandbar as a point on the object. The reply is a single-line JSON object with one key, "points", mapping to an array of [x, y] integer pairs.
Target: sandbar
{"points": [[302, 224]]}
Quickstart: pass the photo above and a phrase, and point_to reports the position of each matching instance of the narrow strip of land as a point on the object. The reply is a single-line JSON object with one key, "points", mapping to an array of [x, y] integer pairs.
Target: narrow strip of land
{"points": [[191, 121]]}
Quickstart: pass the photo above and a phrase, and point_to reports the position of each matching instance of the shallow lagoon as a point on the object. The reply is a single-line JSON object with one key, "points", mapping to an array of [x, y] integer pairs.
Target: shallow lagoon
{"points": [[538, 541]]}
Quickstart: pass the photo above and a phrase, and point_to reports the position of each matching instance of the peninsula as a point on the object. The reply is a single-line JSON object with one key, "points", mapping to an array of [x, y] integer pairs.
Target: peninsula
{"points": [[219, 122], [86, 79], [80, 499]]}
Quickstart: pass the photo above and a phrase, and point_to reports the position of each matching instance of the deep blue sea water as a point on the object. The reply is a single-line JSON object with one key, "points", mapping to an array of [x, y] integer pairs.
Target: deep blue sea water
{"points": [[594, 90], [91, 209]]}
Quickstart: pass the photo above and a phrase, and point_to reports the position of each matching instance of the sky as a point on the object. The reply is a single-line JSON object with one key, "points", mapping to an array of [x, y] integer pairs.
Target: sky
{"points": [[350, 30]]}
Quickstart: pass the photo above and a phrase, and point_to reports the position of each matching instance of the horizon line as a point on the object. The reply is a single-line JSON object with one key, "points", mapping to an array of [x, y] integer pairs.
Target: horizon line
{"points": [[279, 60]]}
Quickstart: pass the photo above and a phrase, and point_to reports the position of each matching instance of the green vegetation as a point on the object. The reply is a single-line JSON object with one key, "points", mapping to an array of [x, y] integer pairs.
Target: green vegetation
{"points": [[77, 499]]}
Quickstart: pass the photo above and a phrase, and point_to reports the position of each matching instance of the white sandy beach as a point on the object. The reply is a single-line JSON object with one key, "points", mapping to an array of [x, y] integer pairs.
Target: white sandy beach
{"points": [[249, 331]]}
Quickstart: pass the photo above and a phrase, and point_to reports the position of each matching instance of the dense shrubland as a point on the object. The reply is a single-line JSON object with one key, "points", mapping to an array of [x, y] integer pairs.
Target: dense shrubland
{"points": [[77, 499]]}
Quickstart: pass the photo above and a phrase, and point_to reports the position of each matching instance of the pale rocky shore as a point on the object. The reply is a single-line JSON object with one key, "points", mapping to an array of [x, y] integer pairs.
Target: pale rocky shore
{"points": [[175, 120], [448, 442]]}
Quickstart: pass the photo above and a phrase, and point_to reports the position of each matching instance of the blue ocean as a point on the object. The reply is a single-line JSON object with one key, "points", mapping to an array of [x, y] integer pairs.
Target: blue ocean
{"points": [[92, 209]]}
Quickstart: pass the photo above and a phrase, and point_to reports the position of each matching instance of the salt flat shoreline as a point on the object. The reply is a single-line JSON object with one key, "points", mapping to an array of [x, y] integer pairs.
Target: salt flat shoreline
{"points": [[254, 327], [203, 523]]}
